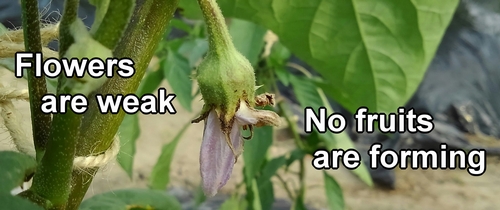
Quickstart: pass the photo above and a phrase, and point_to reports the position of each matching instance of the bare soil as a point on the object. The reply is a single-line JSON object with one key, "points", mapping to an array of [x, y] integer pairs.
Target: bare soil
{"points": [[415, 189]]}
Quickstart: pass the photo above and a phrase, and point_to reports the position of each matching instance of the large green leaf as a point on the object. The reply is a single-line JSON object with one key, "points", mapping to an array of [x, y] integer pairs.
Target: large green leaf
{"points": [[131, 199], [248, 38], [15, 167], [370, 53], [334, 194], [160, 176]]}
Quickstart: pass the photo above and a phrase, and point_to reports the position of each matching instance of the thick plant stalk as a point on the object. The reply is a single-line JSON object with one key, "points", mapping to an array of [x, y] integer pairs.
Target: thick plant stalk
{"points": [[145, 30], [36, 86], [53, 177]]}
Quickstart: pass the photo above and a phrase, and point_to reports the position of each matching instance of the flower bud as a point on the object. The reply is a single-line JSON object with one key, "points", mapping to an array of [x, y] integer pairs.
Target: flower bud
{"points": [[227, 84]]}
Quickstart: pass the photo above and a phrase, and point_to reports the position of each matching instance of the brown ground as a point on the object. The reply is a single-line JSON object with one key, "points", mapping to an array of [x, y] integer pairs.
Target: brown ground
{"points": [[419, 189]]}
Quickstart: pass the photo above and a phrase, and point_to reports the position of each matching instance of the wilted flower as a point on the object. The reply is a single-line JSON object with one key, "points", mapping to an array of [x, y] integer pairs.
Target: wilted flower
{"points": [[220, 149], [227, 83]]}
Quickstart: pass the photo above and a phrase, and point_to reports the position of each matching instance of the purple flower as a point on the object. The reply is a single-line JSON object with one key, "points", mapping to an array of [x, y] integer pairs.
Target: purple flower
{"points": [[220, 149]]}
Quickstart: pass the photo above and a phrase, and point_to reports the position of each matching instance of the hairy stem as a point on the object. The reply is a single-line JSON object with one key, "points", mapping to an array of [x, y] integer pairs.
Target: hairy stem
{"points": [[293, 126], [144, 31], [52, 180], [69, 16], [114, 23], [219, 39], [36, 86]]}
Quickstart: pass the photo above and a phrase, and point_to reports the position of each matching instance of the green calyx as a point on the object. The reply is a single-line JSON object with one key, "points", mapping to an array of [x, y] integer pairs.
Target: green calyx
{"points": [[225, 76], [225, 80]]}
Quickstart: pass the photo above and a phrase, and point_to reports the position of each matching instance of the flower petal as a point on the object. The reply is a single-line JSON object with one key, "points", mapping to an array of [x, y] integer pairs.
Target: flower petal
{"points": [[238, 147], [250, 116], [216, 158], [245, 116]]}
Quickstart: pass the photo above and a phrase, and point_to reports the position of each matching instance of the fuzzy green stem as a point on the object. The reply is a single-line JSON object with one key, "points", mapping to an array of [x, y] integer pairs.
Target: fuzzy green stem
{"points": [[52, 180], [36, 86], [302, 180], [219, 39], [69, 16], [145, 30], [114, 23]]}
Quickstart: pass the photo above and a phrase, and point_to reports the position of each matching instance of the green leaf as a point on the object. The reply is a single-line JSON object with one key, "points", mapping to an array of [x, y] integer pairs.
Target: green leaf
{"points": [[101, 8], [334, 194], [296, 154], [270, 169], [233, 203], [313, 142], [177, 72], [283, 76], [254, 156], [256, 150], [129, 131], [179, 24], [248, 38], [131, 199], [309, 95], [3, 29], [151, 82], [253, 196], [371, 53], [190, 9], [199, 196], [266, 191], [279, 55], [15, 167], [266, 195], [193, 50], [306, 92], [13, 202], [160, 175]]}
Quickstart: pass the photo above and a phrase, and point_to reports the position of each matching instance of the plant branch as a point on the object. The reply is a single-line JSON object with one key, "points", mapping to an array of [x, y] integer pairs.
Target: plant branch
{"points": [[69, 16], [143, 33], [293, 126], [286, 187], [52, 180], [37, 87], [114, 23], [302, 180]]}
